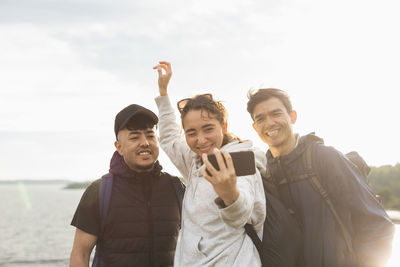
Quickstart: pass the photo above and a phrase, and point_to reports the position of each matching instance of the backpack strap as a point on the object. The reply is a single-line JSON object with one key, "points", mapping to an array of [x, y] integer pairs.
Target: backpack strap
{"points": [[104, 203], [309, 160], [251, 232], [104, 198]]}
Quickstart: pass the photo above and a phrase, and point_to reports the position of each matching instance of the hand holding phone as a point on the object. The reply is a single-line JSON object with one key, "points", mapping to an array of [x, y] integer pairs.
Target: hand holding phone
{"points": [[243, 162], [222, 169]]}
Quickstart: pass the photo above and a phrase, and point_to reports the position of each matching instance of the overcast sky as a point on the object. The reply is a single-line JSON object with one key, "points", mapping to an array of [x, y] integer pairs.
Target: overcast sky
{"points": [[68, 66]]}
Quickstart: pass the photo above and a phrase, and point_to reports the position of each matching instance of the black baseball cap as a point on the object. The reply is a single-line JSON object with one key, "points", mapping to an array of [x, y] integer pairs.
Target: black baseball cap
{"points": [[125, 115]]}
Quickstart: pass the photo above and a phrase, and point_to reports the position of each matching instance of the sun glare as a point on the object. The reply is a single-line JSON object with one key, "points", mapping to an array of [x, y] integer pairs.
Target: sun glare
{"points": [[395, 259], [24, 195]]}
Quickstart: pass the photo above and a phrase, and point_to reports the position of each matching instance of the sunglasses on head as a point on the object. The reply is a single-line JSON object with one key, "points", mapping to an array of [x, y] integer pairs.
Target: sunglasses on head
{"points": [[183, 103]]}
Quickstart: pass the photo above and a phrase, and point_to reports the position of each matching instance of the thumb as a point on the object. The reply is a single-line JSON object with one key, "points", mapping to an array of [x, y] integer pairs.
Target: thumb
{"points": [[159, 70]]}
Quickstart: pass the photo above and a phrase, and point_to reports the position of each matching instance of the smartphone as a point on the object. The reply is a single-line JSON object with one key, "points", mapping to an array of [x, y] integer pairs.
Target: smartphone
{"points": [[243, 161]]}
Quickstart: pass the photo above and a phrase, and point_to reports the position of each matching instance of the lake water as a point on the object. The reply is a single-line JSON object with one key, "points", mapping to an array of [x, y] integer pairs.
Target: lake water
{"points": [[35, 226]]}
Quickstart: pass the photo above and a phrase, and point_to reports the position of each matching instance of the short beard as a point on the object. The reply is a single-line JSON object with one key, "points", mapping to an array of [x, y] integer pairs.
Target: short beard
{"points": [[145, 168]]}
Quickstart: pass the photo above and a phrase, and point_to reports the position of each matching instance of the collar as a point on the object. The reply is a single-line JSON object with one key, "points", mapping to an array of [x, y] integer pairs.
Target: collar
{"points": [[118, 167]]}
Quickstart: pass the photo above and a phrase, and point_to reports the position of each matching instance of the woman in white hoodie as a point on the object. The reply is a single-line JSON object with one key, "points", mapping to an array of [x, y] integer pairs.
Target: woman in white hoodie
{"points": [[217, 205]]}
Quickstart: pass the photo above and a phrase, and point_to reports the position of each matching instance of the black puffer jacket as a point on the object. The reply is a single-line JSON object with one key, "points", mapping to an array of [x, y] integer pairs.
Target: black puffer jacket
{"points": [[143, 220]]}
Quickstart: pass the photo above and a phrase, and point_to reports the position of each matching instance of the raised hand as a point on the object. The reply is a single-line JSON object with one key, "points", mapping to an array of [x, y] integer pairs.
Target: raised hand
{"points": [[224, 180], [163, 78]]}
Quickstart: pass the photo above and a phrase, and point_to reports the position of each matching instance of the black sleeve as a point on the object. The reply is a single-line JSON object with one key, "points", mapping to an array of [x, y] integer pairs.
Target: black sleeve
{"points": [[87, 215], [373, 230]]}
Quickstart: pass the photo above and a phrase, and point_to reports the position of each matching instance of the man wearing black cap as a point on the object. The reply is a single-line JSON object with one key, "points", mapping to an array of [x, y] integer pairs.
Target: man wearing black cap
{"points": [[143, 219]]}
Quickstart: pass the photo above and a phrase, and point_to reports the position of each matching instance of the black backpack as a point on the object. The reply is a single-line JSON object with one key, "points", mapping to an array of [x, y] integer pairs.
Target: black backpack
{"points": [[282, 242], [312, 176]]}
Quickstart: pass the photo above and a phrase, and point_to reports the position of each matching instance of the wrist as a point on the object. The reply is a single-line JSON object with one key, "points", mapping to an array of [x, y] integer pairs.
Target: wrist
{"points": [[230, 198]]}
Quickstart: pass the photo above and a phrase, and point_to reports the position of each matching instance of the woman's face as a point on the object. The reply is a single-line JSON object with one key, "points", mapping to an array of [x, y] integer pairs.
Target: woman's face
{"points": [[203, 132]]}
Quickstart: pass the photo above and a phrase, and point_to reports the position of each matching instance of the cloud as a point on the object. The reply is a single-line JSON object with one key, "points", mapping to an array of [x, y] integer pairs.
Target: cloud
{"points": [[68, 67]]}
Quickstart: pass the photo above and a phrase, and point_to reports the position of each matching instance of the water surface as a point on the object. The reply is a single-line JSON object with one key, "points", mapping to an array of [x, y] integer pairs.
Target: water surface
{"points": [[35, 226]]}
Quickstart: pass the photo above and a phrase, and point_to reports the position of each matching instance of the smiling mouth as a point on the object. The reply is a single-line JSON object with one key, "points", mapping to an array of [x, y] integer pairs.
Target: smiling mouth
{"points": [[205, 149], [272, 133], [144, 153]]}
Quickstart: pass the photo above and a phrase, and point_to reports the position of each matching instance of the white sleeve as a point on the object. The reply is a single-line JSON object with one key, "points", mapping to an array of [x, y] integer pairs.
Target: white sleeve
{"points": [[250, 205], [172, 140]]}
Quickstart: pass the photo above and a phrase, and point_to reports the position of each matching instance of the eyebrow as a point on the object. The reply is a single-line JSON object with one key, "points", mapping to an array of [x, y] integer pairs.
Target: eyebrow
{"points": [[190, 130], [203, 127], [207, 125]]}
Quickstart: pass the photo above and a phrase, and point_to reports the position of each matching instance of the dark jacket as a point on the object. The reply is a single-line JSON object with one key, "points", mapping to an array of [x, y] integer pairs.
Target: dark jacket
{"points": [[369, 226], [143, 220]]}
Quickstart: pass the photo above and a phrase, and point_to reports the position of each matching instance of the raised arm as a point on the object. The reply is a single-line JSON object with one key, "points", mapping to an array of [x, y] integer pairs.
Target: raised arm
{"points": [[82, 248], [172, 140]]}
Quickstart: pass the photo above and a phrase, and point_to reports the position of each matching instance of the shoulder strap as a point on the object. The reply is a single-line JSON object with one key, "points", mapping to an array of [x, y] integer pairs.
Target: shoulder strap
{"points": [[104, 198], [104, 203], [251, 232], [309, 157]]}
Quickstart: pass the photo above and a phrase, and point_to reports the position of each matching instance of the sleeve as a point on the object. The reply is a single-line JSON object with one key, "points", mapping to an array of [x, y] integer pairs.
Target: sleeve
{"points": [[172, 140], [87, 214], [372, 228], [250, 205]]}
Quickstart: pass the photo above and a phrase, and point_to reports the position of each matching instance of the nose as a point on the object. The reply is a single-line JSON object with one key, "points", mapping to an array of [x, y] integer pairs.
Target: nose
{"points": [[144, 141], [269, 122], [201, 139]]}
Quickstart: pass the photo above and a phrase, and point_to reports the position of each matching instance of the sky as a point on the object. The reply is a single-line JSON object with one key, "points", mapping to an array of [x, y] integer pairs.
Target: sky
{"points": [[67, 67]]}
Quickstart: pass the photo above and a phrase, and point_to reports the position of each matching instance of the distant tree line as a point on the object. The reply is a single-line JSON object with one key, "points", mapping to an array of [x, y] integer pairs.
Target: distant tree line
{"points": [[385, 182]]}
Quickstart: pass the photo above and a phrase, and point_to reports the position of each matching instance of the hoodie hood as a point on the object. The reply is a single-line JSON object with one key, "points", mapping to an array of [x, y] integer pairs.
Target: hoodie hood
{"points": [[280, 167], [119, 168], [304, 142]]}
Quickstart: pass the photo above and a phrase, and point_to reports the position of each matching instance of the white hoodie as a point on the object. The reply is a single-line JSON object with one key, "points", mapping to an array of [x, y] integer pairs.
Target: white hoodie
{"points": [[212, 235]]}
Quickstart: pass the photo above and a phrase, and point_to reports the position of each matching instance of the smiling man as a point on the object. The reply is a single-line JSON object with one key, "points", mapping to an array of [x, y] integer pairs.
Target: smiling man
{"points": [[294, 163], [143, 219]]}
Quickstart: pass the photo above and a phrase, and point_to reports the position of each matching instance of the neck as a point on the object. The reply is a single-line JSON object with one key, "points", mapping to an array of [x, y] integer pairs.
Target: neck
{"points": [[285, 148]]}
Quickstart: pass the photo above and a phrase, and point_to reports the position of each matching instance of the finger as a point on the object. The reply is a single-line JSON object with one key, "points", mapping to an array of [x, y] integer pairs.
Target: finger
{"points": [[208, 166], [159, 70], [229, 161], [166, 66], [220, 160], [166, 63], [206, 176]]}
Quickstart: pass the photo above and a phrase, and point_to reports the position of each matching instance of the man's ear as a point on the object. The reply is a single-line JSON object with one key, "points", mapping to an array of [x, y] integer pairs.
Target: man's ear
{"points": [[118, 147], [293, 116], [254, 126]]}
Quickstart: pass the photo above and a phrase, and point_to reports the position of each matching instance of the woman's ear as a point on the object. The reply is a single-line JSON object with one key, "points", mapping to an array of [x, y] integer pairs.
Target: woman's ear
{"points": [[225, 127]]}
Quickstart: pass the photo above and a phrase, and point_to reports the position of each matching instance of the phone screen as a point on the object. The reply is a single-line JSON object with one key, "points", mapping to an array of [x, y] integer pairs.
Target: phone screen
{"points": [[243, 161]]}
